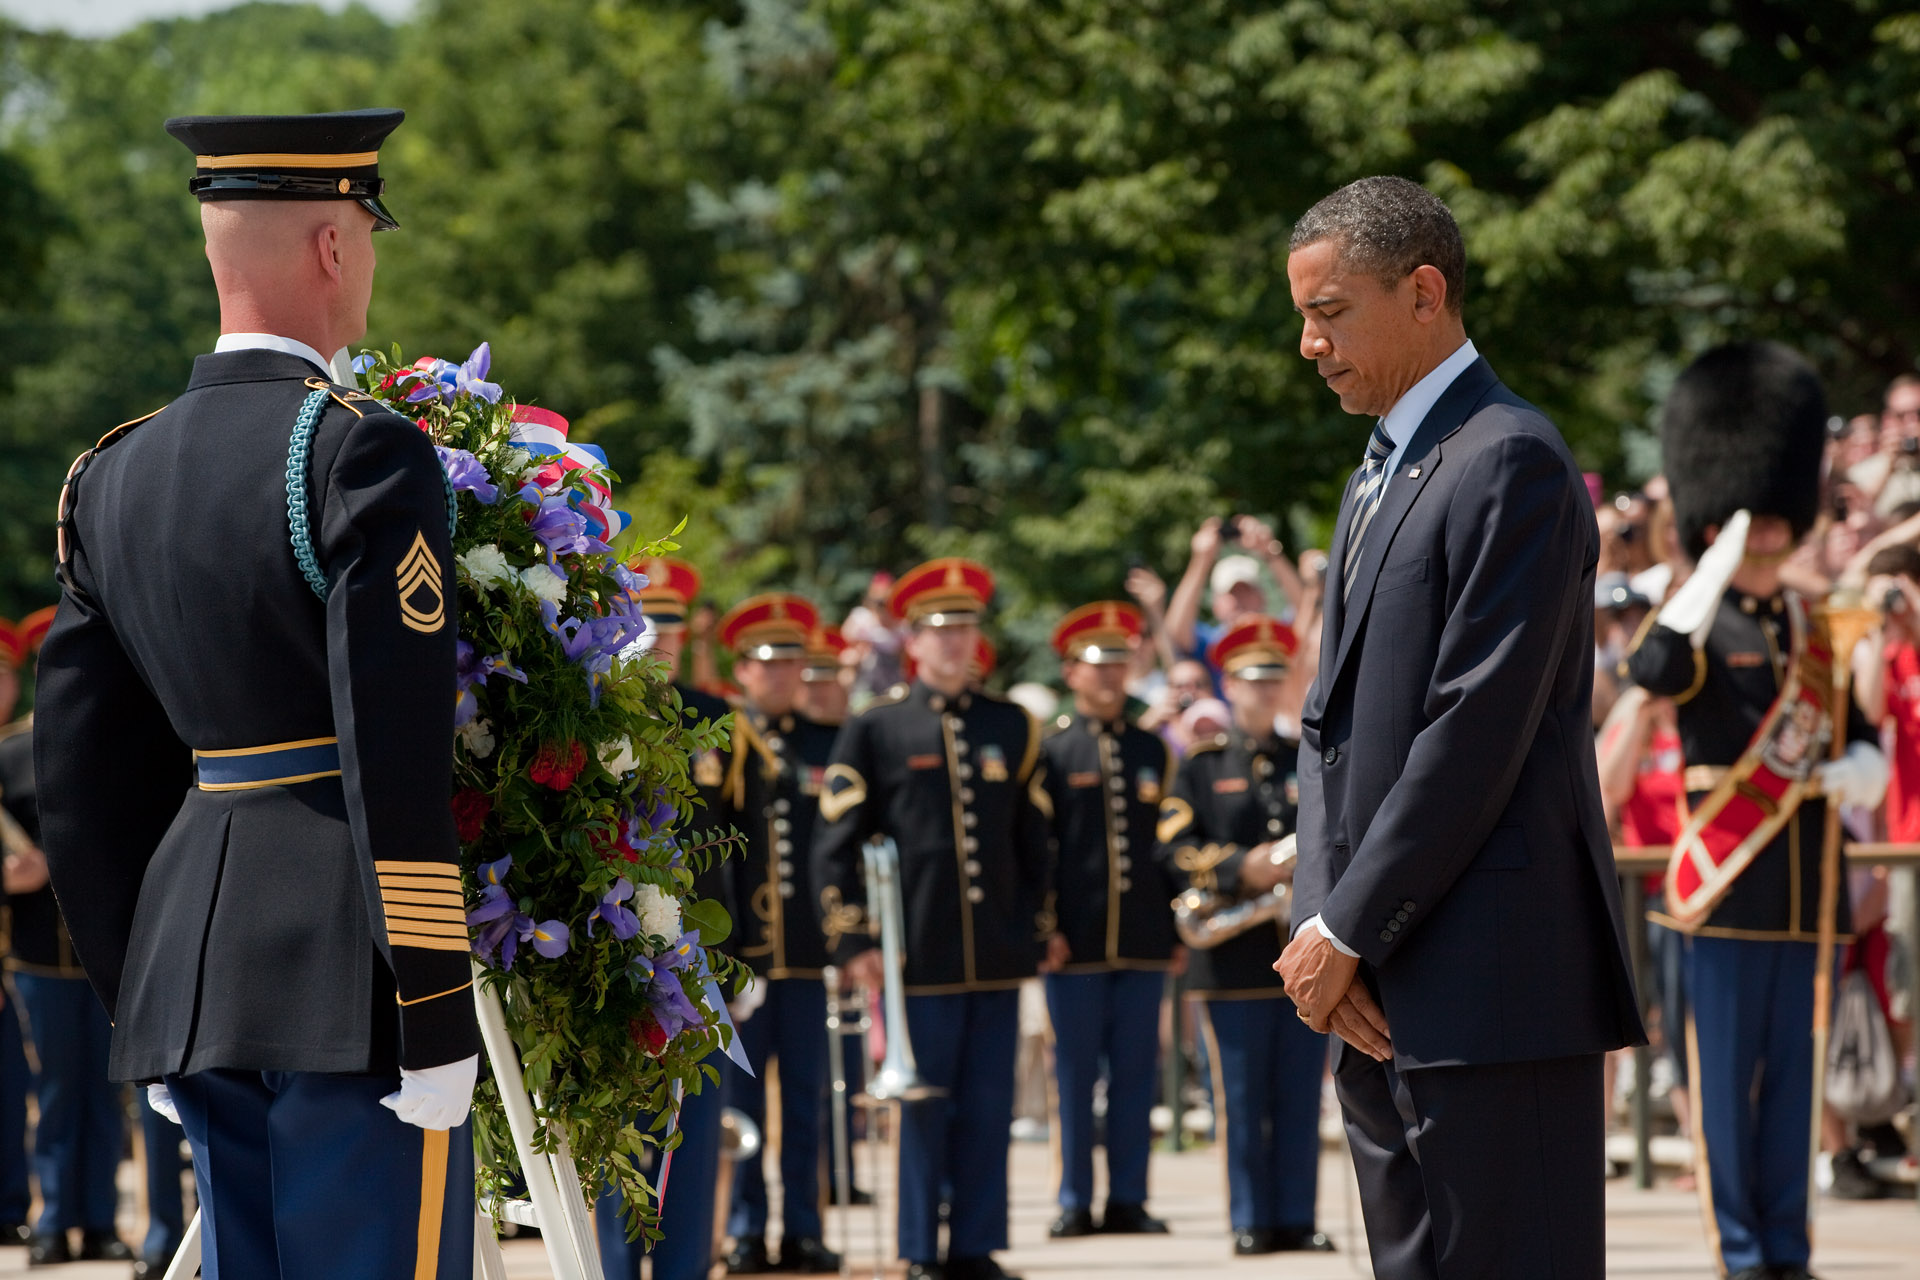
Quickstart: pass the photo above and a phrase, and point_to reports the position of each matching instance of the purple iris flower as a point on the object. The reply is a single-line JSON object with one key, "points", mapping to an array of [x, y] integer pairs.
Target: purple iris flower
{"points": [[549, 938], [503, 928], [562, 530], [660, 976], [469, 669], [469, 378], [468, 474], [589, 643], [629, 580], [614, 911]]}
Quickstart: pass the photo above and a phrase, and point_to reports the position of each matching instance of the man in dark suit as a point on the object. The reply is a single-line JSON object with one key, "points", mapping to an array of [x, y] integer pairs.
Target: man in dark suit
{"points": [[258, 609], [1457, 920]]}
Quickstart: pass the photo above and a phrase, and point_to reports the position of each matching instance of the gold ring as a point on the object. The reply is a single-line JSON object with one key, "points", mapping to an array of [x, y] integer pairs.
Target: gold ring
{"points": [[1304, 1015]]}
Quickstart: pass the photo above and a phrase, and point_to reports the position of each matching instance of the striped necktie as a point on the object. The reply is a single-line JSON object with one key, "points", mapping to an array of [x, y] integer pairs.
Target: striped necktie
{"points": [[1366, 502]]}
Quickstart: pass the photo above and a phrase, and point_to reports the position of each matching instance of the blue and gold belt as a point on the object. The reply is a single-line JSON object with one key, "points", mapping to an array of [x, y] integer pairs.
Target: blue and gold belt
{"points": [[279, 764]]}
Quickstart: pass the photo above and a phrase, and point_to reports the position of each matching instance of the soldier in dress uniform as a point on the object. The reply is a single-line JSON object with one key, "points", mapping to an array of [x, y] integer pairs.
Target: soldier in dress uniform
{"points": [[270, 906], [77, 1142], [1232, 802], [1106, 778], [685, 1249], [1745, 661], [824, 678], [954, 776], [772, 796]]}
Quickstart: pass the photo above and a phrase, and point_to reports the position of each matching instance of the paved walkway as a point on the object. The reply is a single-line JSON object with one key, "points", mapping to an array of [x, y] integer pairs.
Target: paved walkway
{"points": [[1653, 1235]]}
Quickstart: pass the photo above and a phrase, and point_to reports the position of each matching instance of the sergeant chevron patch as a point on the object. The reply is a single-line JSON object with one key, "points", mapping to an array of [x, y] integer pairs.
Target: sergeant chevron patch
{"points": [[423, 605]]}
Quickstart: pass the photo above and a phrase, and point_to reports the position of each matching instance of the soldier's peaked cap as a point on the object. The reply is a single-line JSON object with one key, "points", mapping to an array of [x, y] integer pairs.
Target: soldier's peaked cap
{"points": [[1743, 427], [333, 155], [943, 592], [1102, 633], [773, 625], [1257, 648]]}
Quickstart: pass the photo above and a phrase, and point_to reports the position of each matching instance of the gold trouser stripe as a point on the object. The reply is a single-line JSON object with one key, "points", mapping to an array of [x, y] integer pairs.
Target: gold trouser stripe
{"points": [[1219, 1096], [450, 991], [424, 943], [287, 781], [391, 868], [1702, 1171], [433, 1202], [290, 160]]}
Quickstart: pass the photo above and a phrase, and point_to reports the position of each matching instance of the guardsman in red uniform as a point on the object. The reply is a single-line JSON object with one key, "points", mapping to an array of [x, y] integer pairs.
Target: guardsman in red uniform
{"points": [[1107, 777], [772, 795], [954, 776]]}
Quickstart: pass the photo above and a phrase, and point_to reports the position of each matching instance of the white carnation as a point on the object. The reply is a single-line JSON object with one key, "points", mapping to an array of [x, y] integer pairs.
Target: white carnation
{"points": [[658, 910], [545, 582], [616, 756], [477, 737], [487, 565]]}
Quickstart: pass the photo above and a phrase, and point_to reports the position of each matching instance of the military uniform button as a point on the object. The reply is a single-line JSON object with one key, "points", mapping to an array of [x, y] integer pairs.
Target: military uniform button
{"points": [[938, 702], [970, 844], [973, 867], [767, 812], [1264, 767], [1125, 864], [955, 723], [1121, 843], [964, 770], [976, 894], [966, 795], [785, 868], [776, 745], [1330, 755], [782, 805], [786, 888], [970, 819], [1125, 884], [1116, 784], [1275, 826], [783, 847], [781, 826], [959, 746]]}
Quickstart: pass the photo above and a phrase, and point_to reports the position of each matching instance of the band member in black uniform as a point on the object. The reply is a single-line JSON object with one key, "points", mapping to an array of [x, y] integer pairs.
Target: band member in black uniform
{"points": [[1107, 778], [1232, 802], [685, 1250], [772, 797], [1742, 658], [954, 776], [270, 904], [824, 679]]}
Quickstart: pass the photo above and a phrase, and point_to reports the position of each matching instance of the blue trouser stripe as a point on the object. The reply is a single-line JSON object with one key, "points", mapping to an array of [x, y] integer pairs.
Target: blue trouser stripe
{"points": [[790, 1027], [1105, 1024]]}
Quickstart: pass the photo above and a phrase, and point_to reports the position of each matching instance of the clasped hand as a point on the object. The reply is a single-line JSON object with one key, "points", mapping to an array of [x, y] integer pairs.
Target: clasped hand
{"points": [[1319, 979]]}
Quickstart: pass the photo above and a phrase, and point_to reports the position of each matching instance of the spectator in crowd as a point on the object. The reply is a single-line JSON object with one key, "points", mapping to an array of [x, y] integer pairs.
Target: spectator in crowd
{"points": [[878, 643], [1618, 611], [1188, 681], [1232, 580], [1623, 535], [1201, 723], [1892, 475]]}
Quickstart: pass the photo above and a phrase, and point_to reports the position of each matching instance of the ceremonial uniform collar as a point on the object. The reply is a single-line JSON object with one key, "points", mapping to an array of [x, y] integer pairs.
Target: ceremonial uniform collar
{"points": [[927, 696], [273, 342], [781, 724], [1113, 728], [1775, 604]]}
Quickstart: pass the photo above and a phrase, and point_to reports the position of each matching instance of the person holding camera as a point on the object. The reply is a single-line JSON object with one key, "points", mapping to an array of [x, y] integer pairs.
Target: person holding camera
{"points": [[1232, 580], [1892, 476]]}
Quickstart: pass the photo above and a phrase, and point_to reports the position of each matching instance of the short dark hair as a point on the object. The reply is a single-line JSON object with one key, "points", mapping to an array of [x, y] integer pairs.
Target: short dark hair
{"points": [[1386, 227], [1897, 561]]}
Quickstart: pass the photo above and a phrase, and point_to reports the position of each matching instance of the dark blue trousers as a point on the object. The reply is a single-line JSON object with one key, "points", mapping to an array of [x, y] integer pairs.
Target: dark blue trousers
{"points": [[790, 1027], [76, 1147], [166, 1218], [955, 1147], [1267, 1102], [303, 1175], [1105, 1022], [685, 1251], [16, 1192], [1751, 1041]]}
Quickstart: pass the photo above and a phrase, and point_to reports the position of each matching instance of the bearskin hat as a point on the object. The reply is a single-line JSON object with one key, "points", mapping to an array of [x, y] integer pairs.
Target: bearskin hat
{"points": [[1743, 427]]}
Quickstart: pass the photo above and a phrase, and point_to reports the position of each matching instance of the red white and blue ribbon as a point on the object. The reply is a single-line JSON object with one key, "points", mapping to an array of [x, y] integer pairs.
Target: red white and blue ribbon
{"points": [[543, 434]]}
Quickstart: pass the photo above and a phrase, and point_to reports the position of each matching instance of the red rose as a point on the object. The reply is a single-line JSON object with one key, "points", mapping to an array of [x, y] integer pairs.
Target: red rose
{"points": [[611, 844], [422, 424], [386, 383], [470, 810], [556, 765], [647, 1034]]}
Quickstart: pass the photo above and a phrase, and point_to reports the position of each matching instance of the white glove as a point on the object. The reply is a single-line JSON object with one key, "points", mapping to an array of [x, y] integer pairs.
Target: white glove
{"points": [[1857, 779], [743, 1005], [1693, 606], [435, 1097], [161, 1101]]}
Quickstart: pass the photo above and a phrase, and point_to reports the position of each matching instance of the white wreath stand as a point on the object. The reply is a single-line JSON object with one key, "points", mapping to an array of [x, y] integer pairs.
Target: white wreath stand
{"points": [[556, 1203]]}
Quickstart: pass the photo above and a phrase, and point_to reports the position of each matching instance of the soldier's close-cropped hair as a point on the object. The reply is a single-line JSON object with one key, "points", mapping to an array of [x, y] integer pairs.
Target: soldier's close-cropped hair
{"points": [[1386, 227]]}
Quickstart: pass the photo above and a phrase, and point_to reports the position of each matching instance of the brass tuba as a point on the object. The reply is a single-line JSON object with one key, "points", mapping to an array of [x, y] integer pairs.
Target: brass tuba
{"points": [[1205, 919]]}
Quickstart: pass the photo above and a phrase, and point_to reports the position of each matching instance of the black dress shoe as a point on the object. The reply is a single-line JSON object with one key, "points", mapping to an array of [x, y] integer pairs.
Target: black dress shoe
{"points": [[925, 1271], [15, 1233], [976, 1269], [1130, 1220], [1300, 1240], [1793, 1273], [49, 1250], [104, 1246], [749, 1257], [1754, 1273], [808, 1256], [1259, 1240], [1071, 1223]]}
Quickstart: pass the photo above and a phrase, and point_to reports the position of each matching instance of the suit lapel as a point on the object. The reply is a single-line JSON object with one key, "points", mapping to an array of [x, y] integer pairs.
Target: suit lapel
{"points": [[1409, 480]]}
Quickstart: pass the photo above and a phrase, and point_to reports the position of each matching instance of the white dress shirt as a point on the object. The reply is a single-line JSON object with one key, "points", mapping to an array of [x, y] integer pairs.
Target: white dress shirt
{"points": [[1408, 412], [274, 342]]}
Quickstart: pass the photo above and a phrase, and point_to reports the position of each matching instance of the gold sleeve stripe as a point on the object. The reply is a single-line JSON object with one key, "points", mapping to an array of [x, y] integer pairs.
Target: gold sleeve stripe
{"points": [[423, 898], [398, 911], [424, 943], [450, 991], [441, 883], [1176, 815], [436, 928], [1033, 744], [447, 869]]}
